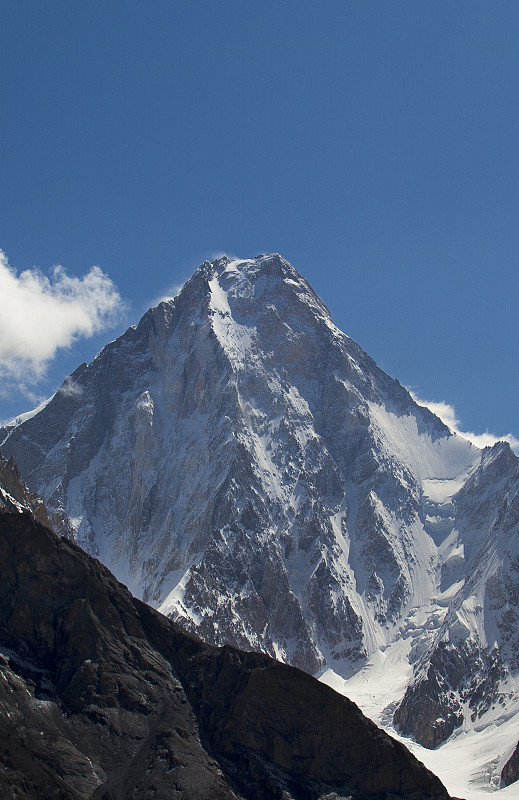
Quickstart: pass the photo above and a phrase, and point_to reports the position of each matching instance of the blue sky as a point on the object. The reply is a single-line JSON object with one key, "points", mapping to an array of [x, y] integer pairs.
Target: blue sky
{"points": [[373, 144]]}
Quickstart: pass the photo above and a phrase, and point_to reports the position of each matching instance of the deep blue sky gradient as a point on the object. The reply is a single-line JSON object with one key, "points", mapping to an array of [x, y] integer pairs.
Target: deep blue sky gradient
{"points": [[375, 145]]}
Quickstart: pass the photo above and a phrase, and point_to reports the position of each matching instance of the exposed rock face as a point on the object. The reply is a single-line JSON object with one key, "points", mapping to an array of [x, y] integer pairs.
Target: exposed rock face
{"points": [[510, 773], [245, 467], [105, 699], [14, 494]]}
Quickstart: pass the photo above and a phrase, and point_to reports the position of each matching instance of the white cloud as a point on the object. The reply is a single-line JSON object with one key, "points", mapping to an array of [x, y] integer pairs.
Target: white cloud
{"points": [[447, 414], [69, 388], [214, 255], [41, 315]]}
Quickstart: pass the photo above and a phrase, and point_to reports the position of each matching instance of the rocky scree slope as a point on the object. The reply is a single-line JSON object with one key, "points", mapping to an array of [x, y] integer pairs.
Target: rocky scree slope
{"points": [[246, 467], [103, 698]]}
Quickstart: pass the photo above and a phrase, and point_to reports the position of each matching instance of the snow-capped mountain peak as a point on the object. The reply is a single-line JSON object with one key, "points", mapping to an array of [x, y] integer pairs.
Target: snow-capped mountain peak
{"points": [[246, 467]]}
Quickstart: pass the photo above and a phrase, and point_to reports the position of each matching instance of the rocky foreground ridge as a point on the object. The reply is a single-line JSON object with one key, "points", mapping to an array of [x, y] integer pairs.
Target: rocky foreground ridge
{"points": [[244, 466], [103, 698]]}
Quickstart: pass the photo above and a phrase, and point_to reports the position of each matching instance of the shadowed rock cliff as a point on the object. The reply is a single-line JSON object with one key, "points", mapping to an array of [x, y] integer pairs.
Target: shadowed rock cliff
{"points": [[105, 699], [510, 773]]}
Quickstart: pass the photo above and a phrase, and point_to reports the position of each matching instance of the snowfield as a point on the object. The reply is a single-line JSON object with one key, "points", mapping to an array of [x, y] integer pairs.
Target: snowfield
{"points": [[469, 763]]}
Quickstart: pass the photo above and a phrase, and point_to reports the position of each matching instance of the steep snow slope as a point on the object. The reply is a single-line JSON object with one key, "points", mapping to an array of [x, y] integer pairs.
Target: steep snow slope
{"points": [[244, 466]]}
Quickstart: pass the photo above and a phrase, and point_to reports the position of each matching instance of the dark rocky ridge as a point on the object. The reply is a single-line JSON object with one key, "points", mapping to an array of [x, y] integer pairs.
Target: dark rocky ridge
{"points": [[12, 488], [105, 699], [510, 772]]}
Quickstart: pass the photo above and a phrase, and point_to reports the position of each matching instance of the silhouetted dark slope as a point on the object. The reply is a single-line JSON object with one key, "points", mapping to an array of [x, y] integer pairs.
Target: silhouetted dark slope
{"points": [[103, 698]]}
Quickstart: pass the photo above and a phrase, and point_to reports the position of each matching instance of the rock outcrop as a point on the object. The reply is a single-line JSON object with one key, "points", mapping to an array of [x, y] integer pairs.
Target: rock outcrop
{"points": [[103, 698], [510, 772], [15, 496]]}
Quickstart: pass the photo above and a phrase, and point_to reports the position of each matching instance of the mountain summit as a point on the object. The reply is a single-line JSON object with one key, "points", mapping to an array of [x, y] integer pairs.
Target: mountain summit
{"points": [[245, 467]]}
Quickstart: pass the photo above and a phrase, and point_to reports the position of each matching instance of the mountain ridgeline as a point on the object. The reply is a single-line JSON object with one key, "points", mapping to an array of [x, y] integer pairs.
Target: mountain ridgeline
{"points": [[246, 468]]}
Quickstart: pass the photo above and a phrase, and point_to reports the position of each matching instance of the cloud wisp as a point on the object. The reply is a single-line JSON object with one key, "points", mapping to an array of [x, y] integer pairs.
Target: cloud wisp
{"points": [[447, 414], [41, 315]]}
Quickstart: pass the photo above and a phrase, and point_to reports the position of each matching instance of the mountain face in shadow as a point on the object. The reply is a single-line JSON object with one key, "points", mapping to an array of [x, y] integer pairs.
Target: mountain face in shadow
{"points": [[103, 698]]}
